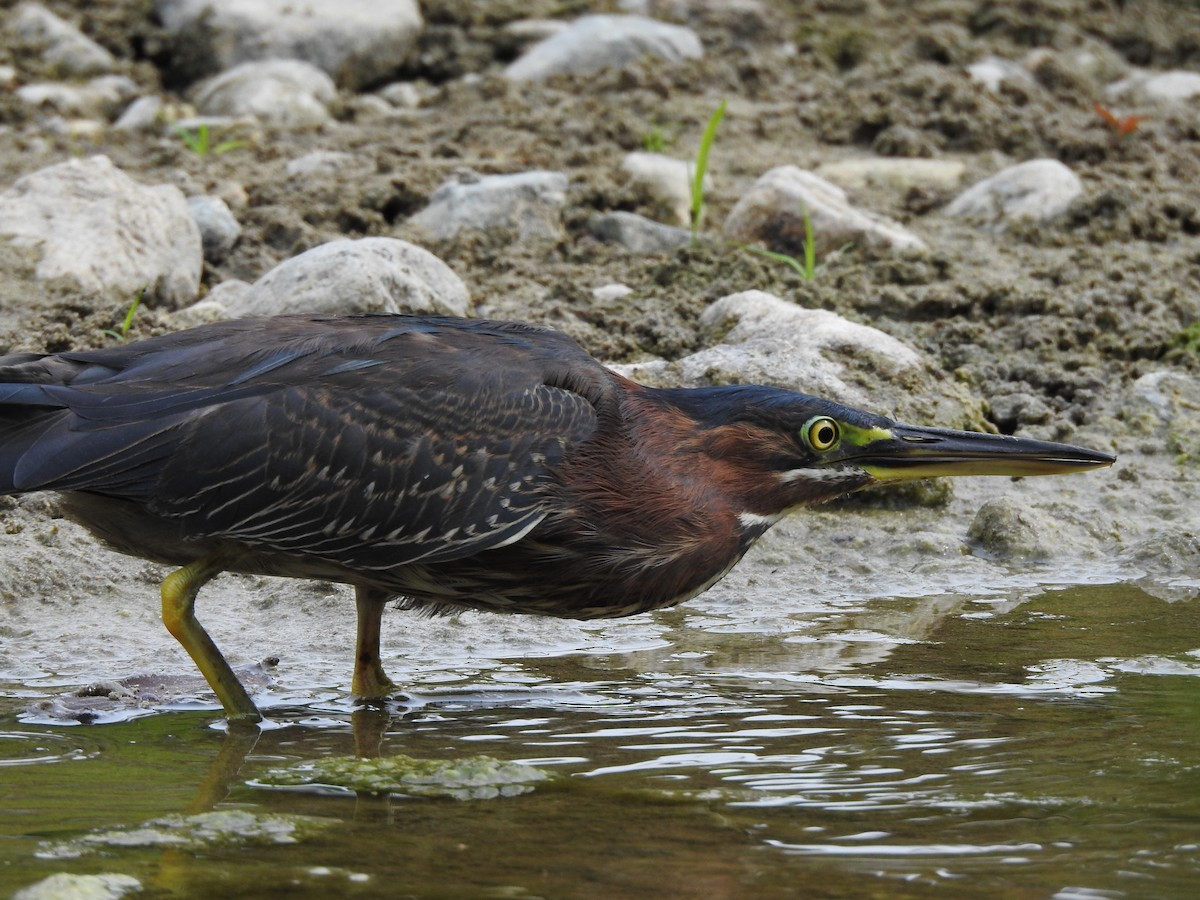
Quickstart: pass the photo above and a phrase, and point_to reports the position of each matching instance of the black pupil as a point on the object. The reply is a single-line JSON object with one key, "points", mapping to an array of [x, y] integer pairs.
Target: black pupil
{"points": [[825, 434]]}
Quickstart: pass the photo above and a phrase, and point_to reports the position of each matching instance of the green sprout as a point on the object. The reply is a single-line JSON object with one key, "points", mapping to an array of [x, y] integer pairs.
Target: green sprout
{"points": [[807, 269], [200, 141], [655, 140], [1188, 340], [701, 167], [122, 330]]}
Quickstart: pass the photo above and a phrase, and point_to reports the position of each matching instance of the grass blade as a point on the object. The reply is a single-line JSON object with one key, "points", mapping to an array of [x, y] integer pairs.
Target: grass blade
{"points": [[701, 168]]}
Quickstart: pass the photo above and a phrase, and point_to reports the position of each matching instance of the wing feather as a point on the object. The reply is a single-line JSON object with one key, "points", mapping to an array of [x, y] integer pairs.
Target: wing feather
{"points": [[368, 441]]}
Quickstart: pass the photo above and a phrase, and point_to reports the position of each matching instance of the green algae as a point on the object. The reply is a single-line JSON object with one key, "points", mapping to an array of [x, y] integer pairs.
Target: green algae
{"points": [[208, 829], [468, 778]]}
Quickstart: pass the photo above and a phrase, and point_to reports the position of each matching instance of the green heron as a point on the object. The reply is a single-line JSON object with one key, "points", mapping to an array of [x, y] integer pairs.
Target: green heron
{"points": [[447, 463]]}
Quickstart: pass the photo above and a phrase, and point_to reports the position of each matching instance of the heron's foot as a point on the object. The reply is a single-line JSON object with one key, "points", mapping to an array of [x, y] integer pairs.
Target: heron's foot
{"points": [[370, 681]]}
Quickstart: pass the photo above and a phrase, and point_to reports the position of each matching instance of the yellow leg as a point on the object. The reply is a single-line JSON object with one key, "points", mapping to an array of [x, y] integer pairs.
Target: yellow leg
{"points": [[370, 681], [178, 611]]}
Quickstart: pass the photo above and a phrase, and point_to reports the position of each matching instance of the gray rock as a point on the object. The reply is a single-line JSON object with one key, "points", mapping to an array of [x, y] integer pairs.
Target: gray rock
{"points": [[1041, 190], [354, 41], [96, 228], [1010, 528], [1162, 406], [282, 92], [68, 50], [772, 211], [1177, 86], [1160, 560], [664, 181], [100, 98], [1020, 408], [140, 115], [895, 172], [756, 338], [528, 203], [353, 276], [592, 43], [637, 233], [219, 230]]}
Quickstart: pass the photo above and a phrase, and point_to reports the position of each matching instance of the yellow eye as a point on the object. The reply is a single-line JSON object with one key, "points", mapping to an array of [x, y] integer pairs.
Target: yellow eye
{"points": [[822, 433]]}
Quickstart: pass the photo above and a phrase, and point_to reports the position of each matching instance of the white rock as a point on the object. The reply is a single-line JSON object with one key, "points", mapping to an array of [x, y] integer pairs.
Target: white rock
{"points": [[1156, 87], [1091, 63], [61, 885], [140, 115], [592, 43], [894, 172], [529, 203], [637, 233], [403, 94], [530, 31], [93, 226], [210, 309], [665, 181], [355, 41], [68, 50], [100, 98], [739, 17], [283, 92], [766, 340], [325, 162], [772, 211], [233, 193], [369, 108], [1040, 189], [219, 230], [614, 291], [757, 338], [992, 71], [76, 129], [353, 276]]}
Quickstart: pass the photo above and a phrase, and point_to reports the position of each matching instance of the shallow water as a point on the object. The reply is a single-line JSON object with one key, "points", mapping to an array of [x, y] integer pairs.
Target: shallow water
{"points": [[1048, 746]]}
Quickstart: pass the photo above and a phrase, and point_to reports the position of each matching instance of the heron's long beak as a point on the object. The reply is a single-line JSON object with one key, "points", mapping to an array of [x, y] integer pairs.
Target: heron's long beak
{"points": [[903, 452]]}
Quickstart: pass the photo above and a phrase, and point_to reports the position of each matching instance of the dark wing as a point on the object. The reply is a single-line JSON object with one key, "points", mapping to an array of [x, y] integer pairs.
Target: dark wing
{"points": [[368, 441]]}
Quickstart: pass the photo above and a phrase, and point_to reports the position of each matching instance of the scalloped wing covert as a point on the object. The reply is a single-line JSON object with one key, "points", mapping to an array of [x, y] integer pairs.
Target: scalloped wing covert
{"points": [[371, 442]]}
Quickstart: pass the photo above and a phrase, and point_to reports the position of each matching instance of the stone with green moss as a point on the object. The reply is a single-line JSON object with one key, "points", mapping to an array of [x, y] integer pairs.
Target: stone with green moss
{"points": [[219, 827], [468, 778]]}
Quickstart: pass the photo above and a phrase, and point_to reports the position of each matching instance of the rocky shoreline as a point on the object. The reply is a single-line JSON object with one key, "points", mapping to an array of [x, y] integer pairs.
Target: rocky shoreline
{"points": [[1004, 211]]}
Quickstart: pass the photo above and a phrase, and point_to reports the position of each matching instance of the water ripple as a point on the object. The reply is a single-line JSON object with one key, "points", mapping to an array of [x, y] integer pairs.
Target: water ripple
{"points": [[913, 850], [33, 748]]}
